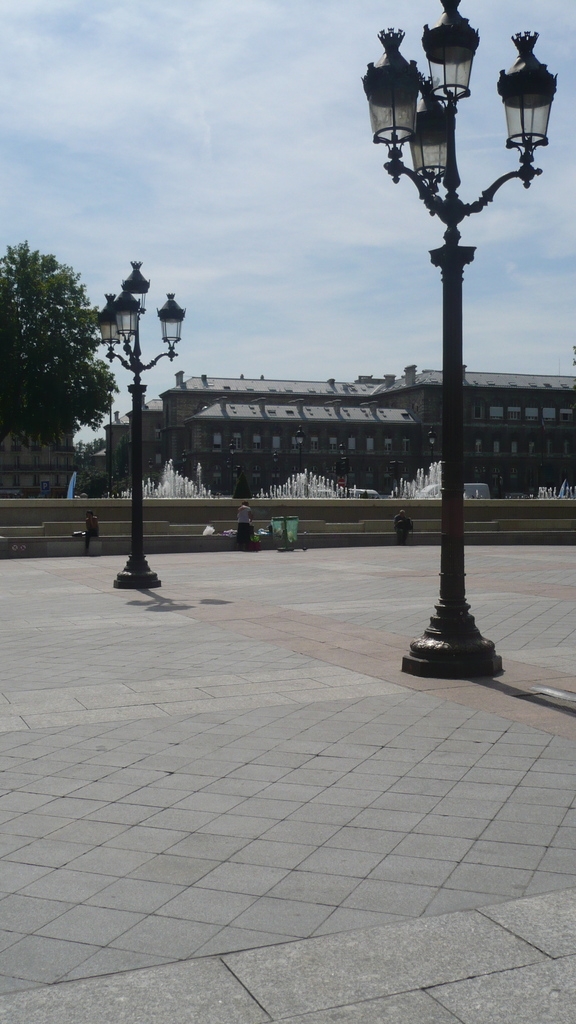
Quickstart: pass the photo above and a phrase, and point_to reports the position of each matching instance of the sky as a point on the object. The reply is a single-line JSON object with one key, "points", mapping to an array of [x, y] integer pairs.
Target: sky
{"points": [[226, 145]]}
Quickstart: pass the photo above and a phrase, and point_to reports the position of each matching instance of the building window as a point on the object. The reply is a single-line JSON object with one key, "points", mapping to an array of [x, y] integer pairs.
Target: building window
{"points": [[478, 411], [237, 441], [314, 444], [158, 435], [514, 412], [566, 447], [531, 414], [565, 415], [531, 447], [333, 444], [256, 442], [276, 439], [369, 444], [387, 445], [548, 447], [406, 445], [217, 442], [496, 412], [496, 447], [158, 459], [514, 447], [293, 444], [351, 444], [478, 446], [549, 414]]}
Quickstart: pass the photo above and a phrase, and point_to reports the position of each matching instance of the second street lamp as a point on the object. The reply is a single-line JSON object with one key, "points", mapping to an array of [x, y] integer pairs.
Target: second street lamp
{"points": [[300, 438], [431, 442], [119, 324], [452, 646]]}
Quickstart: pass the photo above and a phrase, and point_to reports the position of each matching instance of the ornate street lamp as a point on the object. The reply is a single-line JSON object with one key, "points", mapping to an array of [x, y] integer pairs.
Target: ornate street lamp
{"points": [[300, 438], [452, 646], [431, 442], [119, 323]]}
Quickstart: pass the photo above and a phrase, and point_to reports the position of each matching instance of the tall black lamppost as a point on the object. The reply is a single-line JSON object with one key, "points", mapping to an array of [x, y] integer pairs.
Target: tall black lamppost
{"points": [[452, 646], [431, 442], [300, 438], [275, 472], [119, 324]]}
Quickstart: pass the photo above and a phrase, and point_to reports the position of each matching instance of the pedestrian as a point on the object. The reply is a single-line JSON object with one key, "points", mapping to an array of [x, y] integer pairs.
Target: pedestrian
{"points": [[91, 529], [244, 518], [402, 525]]}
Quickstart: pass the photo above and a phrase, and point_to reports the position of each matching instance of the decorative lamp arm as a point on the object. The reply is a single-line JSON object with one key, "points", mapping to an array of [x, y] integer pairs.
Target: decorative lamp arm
{"points": [[426, 190], [526, 173]]}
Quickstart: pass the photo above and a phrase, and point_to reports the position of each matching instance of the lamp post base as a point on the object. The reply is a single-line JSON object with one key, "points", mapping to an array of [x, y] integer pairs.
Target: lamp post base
{"points": [[137, 575], [452, 647], [452, 654], [453, 666]]}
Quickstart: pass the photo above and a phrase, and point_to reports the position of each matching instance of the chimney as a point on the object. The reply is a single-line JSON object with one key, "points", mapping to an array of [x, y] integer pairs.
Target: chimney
{"points": [[410, 375], [389, 379], [203, 378], [116, 416], [331, 381], [464, 373], [179, 378]]}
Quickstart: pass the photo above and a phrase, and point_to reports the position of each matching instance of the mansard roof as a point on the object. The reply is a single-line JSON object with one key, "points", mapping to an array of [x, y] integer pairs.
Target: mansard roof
{"points": [[336, 412], [282, 388], [474, 378]]}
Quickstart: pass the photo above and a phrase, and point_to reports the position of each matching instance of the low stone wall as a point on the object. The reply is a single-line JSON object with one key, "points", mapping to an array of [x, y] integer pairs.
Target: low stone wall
{"points": [[39, 528]]}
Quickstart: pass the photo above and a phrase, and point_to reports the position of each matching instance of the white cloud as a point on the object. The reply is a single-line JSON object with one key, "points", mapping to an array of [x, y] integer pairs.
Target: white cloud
{"points": [[227, 145]]}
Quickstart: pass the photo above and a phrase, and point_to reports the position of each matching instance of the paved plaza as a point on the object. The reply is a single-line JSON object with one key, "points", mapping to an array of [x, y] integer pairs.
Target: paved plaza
{"points": [[222, 802]]}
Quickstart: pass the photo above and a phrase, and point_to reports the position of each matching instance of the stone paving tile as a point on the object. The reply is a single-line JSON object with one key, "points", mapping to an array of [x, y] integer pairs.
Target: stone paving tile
{"points": [[288, 916], [90, 924], [547, 922], [43, 960], [543, 994], [188, 988], [338, 970]]}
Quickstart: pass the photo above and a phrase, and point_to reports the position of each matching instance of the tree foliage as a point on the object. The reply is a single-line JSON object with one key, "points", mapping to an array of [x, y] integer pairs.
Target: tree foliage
{"points": [[51, 382], [242, 488]]}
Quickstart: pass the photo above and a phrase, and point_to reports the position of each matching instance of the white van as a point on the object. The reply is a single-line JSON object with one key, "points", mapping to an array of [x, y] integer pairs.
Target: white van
{"points": [[476, 491], [362, 492]]}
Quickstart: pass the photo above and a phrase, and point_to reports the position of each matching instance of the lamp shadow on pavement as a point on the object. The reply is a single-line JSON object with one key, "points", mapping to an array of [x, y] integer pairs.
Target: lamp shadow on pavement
{"points": [[160, 604]]}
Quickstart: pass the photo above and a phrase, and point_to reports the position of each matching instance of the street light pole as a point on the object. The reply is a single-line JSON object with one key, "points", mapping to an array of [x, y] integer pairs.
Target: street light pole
{"points": [[431, 442], [452, 646], [300, 437], [119, 323]]}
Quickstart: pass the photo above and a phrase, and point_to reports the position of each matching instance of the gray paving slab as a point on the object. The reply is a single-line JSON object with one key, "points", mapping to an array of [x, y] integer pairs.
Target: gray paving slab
{"points": [[544, 994], [184, 992], [547, 922], [338, 970]]}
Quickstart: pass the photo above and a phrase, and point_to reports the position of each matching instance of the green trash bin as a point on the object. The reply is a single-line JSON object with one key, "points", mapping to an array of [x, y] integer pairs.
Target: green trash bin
{"points": [[278, 530], [285, 531], [291, 529]]}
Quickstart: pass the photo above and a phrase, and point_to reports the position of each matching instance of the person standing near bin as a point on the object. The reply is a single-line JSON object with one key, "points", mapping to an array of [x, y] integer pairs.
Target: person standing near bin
{"points": [[402, 525], [91, 529], [244, 518]]}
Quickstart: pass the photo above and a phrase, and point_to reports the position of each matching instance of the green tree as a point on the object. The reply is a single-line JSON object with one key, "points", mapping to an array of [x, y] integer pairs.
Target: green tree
{"points": [[90, 480], [242, 488], [51, 382]]}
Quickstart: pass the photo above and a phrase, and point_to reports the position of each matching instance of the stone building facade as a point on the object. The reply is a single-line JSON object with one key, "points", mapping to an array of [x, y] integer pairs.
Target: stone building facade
{"points": [[33, 470], [518, 428]]}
